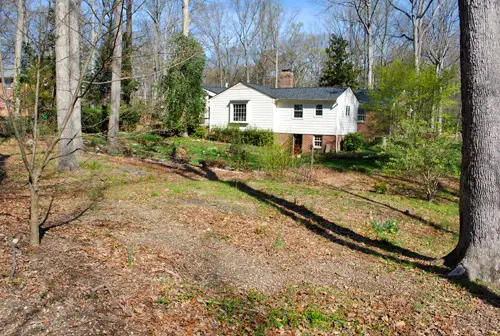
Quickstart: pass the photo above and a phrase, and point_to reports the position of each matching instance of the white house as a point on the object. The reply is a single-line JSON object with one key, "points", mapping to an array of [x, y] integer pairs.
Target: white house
{"points": [[307, 116]]}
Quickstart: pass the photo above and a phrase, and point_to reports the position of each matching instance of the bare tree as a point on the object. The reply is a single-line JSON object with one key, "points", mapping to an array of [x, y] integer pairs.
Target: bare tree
{"points": [[246, 26], [420, 14], [114, 116], [477, 254], [34, 158]]}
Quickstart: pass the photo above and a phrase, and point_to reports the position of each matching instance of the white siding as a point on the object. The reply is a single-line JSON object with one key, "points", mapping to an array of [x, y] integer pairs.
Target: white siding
{"points": [[259, 108], [284, 121], [265, 113], [347, 124]]}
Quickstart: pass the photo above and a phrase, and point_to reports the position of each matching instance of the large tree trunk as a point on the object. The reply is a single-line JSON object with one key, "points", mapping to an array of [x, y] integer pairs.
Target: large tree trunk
{"points": [[477, 254], [114, 116], [74, 50], [18, 54], [185, 17], [66, 155]]}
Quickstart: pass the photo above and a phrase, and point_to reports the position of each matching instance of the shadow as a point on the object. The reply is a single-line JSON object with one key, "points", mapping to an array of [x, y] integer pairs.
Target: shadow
{"points": [[406, 213], [343, 236], [3, 173], [70, 218]]}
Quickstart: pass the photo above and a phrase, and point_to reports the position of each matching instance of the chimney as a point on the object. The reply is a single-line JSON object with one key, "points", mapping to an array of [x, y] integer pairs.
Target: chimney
{"points": [[286, 78]]}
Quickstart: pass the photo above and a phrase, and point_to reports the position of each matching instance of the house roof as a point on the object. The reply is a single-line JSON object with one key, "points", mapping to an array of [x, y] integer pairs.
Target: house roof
{"points": [[362, 96], [214, 89], [301, 93]]}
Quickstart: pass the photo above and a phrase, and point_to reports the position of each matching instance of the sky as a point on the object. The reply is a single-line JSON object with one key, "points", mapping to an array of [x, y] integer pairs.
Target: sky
{"points": [[308, 13]]}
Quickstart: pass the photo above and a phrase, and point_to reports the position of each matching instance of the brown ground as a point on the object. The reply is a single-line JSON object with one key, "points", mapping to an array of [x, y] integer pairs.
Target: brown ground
{"points": [[199, 245]]}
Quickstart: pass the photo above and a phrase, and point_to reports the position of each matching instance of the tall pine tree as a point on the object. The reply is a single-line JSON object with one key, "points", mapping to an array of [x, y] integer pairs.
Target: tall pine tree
{"points": [[338, 70]]}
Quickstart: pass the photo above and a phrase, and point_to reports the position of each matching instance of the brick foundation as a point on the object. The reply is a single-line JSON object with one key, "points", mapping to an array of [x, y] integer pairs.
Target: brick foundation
{"points": [[307, 139]]}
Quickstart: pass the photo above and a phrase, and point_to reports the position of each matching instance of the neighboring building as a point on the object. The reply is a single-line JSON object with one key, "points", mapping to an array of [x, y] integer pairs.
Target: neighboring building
{"points": [[308, 116], [211, 92], [9, 77]]}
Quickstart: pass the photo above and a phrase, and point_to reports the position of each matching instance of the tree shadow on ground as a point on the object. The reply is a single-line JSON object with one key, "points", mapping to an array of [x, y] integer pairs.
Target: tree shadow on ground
{"points": [[406, 212], [341, 235], [3, 173]]}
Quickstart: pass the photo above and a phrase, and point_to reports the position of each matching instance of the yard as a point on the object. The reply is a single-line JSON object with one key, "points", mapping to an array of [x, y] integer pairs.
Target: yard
{"points": [[135, 247]]}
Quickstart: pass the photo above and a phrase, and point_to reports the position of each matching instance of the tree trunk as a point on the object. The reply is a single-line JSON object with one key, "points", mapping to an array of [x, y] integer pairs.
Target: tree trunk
{"points": [[477, 254], [369, 36], [74, 50], [17, 56], [185, 17], [114, 115], [34, 214], [416, 45], [127, 55], [66, 155]]}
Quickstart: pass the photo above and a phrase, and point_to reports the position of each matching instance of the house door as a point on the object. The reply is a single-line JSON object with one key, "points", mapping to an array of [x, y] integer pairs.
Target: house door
{"points": [[297, 144]]}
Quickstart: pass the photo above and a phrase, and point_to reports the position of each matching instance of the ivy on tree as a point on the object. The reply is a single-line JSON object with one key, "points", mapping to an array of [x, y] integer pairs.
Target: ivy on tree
{"points": [[338, 70], [182, 86]]}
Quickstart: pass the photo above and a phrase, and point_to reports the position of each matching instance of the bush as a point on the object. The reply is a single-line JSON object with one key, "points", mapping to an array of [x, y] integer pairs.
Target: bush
{"points": [[94, 120], [353, 142], [276, 159], [6, 129], [130, 115], [414, 151], [240, 155], [200, 132], [250, 136]]}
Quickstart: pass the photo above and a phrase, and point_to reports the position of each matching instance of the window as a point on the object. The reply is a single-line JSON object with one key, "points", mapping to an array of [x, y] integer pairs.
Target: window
{"points": [[318, 141], [319, 110], [240, 112], [298, 111], [348, 110], [361, 115]]}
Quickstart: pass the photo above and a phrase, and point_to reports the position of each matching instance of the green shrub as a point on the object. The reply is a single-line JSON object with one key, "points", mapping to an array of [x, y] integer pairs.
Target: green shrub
{"points": [[250, 136], [94, 120], [381, 188], [240, 155], [200, 132], [276, 159], [24, 125], [130, 115], [353, 142]]}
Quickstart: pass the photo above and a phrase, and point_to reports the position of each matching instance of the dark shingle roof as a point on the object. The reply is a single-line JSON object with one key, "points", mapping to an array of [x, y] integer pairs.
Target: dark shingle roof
{"points": [[214, 89], [362, 96], [302, 93]]}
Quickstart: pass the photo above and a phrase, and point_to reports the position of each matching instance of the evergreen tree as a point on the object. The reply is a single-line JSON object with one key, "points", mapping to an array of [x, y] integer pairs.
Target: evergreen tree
{"points": [[182, 86], [338, 70]]}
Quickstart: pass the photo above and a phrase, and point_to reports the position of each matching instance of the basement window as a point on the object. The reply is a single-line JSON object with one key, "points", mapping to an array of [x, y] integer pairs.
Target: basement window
{"points": [[361, 115], [318, 141]]}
